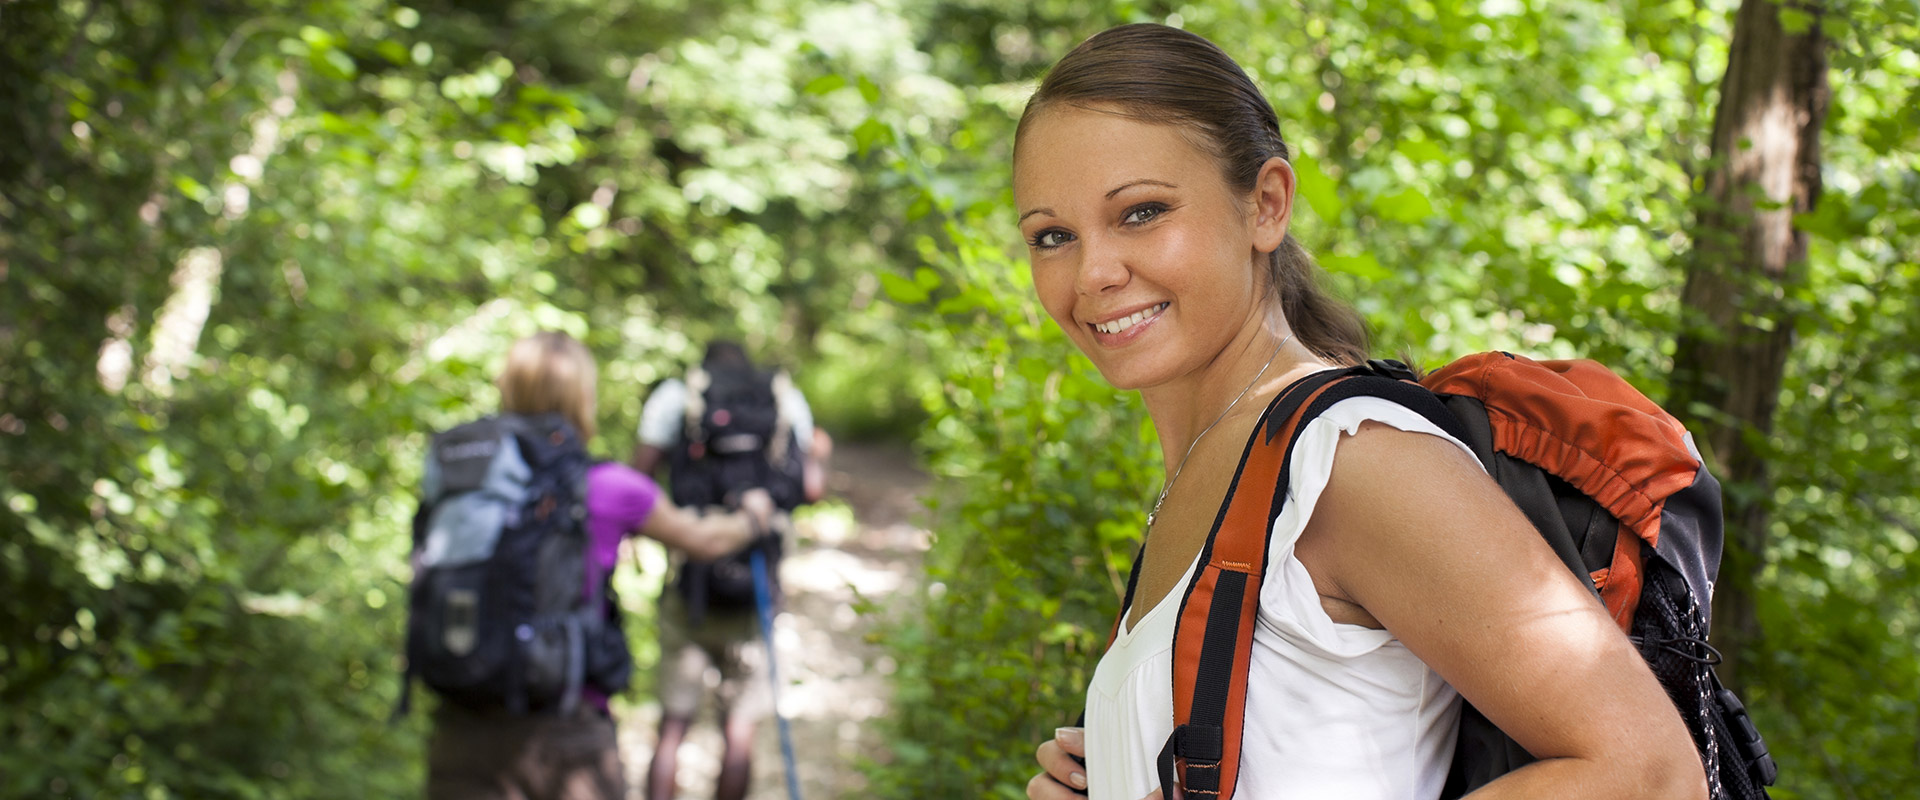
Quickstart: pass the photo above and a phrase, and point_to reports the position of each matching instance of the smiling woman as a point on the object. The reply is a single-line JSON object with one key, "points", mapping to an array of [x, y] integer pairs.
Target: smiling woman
{"points": [[1154, 193], [1141, 254]]}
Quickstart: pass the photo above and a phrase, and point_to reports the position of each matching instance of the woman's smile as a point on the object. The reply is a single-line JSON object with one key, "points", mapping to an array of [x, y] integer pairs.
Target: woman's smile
{"points": [[1125, 327]]}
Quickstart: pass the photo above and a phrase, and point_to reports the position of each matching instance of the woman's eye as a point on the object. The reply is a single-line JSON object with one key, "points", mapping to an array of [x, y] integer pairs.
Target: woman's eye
{"points": [[1142, 214], [1049, 239]]}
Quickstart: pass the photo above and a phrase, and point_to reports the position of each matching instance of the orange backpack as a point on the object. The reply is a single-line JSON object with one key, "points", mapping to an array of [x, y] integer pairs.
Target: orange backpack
{"points": [[1613, 484]]}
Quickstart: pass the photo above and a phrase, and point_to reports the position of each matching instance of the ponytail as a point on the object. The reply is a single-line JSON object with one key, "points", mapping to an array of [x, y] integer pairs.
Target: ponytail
{"points": [[1325, 324]]}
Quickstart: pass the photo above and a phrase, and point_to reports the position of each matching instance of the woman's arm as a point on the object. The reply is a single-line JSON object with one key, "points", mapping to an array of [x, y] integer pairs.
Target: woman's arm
{"points": [[1413, 534], [709, 536]]}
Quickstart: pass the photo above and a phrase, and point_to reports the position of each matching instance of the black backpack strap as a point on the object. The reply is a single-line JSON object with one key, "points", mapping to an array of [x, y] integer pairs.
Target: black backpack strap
{"points": [[575, 628], [589, 617], [596, 581], [1126, 601], [403, 705], [1387, 380]]}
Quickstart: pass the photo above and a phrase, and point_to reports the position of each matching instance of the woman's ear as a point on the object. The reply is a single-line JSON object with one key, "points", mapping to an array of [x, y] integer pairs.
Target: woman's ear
{"points": [[1272, 204]]}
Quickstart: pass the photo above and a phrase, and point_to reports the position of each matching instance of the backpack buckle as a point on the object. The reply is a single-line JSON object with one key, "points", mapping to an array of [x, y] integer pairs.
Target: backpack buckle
{"points": [[1392, 369], [1202, 746], [1753, 749]]}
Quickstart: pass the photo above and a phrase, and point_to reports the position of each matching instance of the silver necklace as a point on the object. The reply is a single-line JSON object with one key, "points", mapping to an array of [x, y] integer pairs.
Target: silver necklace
{"points": [[1182, 466]]}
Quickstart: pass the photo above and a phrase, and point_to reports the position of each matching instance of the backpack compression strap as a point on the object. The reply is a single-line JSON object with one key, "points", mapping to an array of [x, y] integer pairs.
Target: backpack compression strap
{"points": [[782, 425], [1212, 640], [693, 423]]}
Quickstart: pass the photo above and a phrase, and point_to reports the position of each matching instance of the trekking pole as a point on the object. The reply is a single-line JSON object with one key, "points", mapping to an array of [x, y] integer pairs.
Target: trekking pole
{"points": [[763, 597]]}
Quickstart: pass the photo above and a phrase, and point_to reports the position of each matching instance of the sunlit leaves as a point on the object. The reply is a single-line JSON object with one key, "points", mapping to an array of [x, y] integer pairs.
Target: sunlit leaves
{"points": [[1313, 185]]}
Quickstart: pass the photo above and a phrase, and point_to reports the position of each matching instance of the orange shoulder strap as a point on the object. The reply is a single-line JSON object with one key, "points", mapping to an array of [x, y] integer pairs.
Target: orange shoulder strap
{"points": [[1212, 640]]}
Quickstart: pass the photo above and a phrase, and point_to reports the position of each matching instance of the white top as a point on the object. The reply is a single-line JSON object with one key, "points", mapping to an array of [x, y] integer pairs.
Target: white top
{"points": [[1333, 710], [664, 416]]}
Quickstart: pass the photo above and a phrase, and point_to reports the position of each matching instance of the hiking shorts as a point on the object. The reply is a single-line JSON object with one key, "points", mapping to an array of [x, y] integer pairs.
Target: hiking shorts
{"points": [[727, 643]]}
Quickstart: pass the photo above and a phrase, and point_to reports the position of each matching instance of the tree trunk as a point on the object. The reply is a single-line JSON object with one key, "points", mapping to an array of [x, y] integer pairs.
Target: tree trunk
{"points": [[1738, 318]]}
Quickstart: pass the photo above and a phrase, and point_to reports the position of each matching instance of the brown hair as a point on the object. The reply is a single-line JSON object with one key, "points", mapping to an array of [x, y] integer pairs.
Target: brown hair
{"points": [[1169, 76], [550, 372]]}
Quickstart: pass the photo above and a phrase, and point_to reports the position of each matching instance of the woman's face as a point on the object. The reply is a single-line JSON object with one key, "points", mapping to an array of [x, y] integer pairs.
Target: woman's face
{"points": [[1140, 250]]}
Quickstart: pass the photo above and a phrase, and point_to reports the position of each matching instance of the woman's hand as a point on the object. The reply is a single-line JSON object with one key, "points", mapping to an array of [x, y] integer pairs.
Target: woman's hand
{"points": [[710, 536], [1055, 756], [1062, 772], [1062, 776], [758, 506]]}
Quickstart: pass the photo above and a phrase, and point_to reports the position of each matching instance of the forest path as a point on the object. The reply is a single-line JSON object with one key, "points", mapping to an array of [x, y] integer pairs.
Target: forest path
{"points": [[833, 682]]}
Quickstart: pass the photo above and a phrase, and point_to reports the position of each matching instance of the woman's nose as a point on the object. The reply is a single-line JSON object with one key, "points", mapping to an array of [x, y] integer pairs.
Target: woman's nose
{"points": [[1103, 268]]}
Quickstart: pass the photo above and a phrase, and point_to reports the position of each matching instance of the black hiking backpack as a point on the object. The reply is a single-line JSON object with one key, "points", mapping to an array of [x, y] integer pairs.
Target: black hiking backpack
{"points": [[734, 438], [506, 607]]}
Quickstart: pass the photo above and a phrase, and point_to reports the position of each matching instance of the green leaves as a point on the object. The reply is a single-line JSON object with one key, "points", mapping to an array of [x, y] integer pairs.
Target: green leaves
{"points": [[1317, 189], [871, 134], [909, 292], [1406, 205], [1795, 21], [1841, 217], [1363, 266], [825, 84]]}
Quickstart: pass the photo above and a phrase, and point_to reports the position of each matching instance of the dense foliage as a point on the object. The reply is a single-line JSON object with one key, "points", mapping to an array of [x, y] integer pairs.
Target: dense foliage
{"points": [[251, 251]]}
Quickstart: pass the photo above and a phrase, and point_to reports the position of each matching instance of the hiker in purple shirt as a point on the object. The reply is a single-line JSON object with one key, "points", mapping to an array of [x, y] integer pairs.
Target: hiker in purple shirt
{"points": [[490, 753]]}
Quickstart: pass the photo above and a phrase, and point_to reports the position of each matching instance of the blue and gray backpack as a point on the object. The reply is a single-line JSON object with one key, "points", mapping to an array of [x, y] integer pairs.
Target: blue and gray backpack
{"points": [[507, 609]]}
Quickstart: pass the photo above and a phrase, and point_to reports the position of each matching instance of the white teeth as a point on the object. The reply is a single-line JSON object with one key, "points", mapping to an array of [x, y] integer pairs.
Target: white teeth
{"points": [[1126, 322]]}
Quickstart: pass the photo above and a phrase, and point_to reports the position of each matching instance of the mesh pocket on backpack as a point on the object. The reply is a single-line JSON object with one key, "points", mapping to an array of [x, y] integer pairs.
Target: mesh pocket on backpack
{"points": [[1669, 631]]}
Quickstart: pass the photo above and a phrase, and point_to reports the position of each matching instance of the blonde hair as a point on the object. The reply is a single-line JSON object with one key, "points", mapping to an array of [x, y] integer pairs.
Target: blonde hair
{"points": [[551, 372]]}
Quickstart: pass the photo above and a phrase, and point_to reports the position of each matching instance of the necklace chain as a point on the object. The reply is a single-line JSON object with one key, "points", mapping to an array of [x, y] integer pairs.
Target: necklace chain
{"points": [[1182, 466]]}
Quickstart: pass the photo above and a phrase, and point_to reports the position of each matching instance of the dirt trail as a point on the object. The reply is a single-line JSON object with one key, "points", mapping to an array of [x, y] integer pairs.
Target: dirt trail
{"points": [[833, 682]]}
